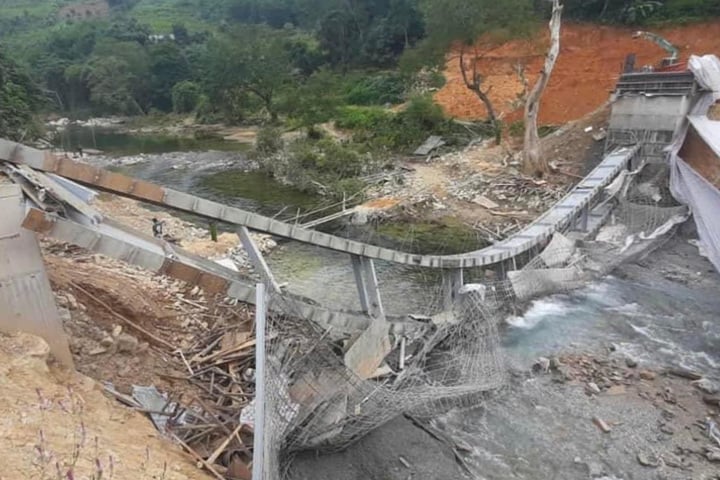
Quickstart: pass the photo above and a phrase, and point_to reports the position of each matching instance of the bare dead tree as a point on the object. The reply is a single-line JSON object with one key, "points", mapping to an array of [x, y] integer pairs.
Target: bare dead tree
{"points": [[473, 79], [534, 161]]}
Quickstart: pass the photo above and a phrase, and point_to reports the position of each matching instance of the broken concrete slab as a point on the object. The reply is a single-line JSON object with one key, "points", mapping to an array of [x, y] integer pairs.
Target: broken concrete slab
{"points": [[433, 142], [368, 352]]}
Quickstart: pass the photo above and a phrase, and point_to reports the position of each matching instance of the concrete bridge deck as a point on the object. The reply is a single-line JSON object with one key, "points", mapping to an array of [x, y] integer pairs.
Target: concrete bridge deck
{"points": [[565, 213]]}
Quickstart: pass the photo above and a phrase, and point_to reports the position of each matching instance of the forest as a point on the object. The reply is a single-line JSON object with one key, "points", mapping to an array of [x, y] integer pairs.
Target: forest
{"points": [[299, 62]]}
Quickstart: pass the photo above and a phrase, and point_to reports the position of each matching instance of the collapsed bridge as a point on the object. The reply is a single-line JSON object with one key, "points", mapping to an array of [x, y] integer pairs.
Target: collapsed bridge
{"points": [[342, 373]]}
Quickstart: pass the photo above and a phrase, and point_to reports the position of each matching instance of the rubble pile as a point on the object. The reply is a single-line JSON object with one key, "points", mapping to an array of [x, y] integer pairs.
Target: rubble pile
{"points": [[688, 403]]}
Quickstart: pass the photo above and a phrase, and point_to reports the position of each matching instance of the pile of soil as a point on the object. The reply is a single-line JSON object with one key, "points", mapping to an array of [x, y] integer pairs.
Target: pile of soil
{"points": [[590, 62], [55, 421]]}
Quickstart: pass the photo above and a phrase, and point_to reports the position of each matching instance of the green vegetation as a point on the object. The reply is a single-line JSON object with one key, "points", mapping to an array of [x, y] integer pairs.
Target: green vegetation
{"points": [[19, 97], [443, 236], [287, 64]]}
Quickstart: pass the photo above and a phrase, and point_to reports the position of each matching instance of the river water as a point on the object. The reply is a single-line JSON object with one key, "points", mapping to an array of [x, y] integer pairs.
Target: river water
{"points": [[655, 321]]}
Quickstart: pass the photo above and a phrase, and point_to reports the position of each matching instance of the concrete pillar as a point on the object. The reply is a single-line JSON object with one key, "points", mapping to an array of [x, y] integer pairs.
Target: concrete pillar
{"points": [[452, 281], [368, 287]]}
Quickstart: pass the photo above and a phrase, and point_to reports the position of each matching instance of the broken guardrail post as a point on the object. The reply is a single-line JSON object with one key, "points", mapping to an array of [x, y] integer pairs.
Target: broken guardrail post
{"points": [[258, 470]]}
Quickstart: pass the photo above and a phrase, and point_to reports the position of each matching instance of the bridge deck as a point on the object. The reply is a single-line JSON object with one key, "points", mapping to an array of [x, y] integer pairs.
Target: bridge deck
{"points": [[560, 216]]}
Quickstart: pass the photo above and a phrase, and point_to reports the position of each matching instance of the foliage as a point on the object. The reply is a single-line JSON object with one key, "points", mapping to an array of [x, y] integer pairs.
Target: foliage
{"points": [[269, 141], [382, 129], [251, 60], [18, 99], [318, 166], [378, 89], [186, 96], [315, 100], [362, 118]]}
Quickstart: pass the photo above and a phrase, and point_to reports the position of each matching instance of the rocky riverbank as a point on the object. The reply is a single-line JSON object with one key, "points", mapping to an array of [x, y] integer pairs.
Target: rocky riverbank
{"points": [[635, 398]]}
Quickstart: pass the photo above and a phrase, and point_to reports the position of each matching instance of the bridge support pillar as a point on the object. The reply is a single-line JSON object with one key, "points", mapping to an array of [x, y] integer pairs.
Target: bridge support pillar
{"points": [[368, 352], [367, 285], [257, 259], [452, 281]]}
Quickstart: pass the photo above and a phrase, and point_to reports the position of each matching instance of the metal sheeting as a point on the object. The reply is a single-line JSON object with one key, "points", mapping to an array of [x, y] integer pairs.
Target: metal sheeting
{"points": [[26, 300]]}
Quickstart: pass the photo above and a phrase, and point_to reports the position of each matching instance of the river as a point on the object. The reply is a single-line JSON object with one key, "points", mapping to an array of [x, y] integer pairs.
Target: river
{"points": [[642, 315]]}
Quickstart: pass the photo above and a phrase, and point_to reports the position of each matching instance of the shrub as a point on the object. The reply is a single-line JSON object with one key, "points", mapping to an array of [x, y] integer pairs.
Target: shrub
{"points": [[362, 118], [377, 90], [185, 96], [269, 141]]}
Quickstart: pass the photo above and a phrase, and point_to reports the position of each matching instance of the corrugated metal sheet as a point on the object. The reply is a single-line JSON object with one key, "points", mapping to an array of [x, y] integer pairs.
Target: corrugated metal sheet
{"points": [[26, 300]]}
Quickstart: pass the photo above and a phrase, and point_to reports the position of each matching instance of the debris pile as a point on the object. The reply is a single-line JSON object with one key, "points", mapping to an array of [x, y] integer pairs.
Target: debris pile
{"points": [[688, 403], [218, 425]]}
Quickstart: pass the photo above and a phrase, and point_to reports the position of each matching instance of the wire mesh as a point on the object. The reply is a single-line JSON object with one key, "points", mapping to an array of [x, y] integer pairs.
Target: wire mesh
{"points": [[444, 356]]}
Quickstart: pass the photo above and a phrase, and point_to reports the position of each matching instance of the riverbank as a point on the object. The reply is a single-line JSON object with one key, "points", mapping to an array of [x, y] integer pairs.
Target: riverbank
{"points": [[604, 404], [171, 125]]}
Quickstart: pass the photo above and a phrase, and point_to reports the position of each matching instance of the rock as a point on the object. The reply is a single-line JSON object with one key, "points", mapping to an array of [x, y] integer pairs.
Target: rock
{"points": [[126, 343], [555, 363], [712, 454], [61, 301], [684, 373], [542, 365], [667, 429], [648, 460], [107, 342], [117, 330], [631, 362], [707, 386], [97, 351], [595, 469], [564, 374], [65, 316], [648, 375], [616, 390], [713, 400], [592, 388], [602, 424], [71, 301], [672, 460]]}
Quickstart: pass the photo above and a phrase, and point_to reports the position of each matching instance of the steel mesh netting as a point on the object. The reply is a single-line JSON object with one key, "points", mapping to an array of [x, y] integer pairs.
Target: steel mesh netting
{"points": [[452, 359], [315, 401]]}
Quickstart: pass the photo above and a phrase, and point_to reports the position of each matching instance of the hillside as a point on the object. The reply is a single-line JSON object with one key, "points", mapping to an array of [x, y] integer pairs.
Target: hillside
{"points": [[590, 61], [24, 18]]}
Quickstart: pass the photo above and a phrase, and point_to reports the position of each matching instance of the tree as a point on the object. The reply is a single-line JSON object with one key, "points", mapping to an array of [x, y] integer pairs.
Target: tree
{"points": [[19, 97], [168, 67], [459, 24], [186, 96], [534, 162], [252, 60], [111, 86]]}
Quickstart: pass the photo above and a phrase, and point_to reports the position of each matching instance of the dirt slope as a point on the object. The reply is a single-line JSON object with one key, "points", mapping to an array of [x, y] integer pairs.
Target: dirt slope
{"points": [[590, 61], [53, 421]]}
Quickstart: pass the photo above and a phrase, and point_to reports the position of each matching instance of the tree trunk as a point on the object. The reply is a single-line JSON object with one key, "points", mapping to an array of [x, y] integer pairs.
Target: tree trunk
{"points": [[474, 86], [534, 162]]}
